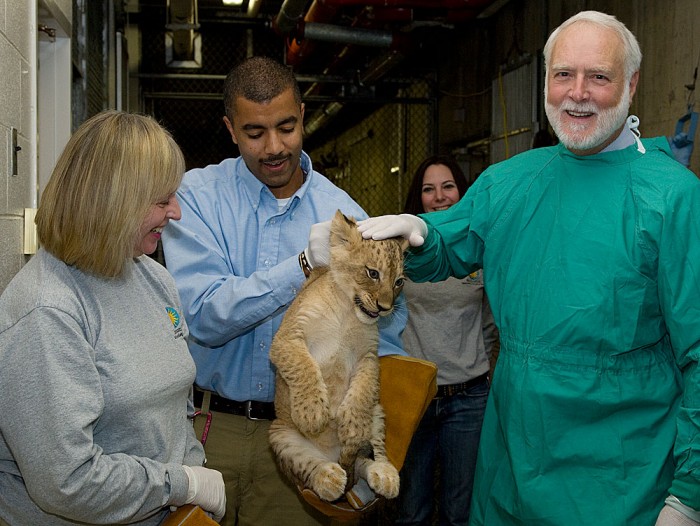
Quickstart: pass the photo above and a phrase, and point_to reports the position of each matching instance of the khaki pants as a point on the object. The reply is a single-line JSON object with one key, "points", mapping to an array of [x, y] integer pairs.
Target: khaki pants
{"points": [[257, 493]]}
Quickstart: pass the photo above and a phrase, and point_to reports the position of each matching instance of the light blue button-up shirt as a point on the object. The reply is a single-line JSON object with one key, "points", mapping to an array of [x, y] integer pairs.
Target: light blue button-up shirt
{"points": [[234, 256]]}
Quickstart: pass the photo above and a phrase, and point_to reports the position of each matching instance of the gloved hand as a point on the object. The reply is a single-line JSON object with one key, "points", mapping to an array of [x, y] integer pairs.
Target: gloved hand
{"points": [[318, 250], [672, 517], [407, 226], [206, 490]]}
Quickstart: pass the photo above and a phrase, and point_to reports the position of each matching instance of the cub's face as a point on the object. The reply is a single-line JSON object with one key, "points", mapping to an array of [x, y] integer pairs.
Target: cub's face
{"points": [[377, 279], [369, 272]]}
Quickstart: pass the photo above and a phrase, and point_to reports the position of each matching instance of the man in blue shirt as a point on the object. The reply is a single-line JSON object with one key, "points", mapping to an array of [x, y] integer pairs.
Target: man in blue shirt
{"points": [[239, 255]]}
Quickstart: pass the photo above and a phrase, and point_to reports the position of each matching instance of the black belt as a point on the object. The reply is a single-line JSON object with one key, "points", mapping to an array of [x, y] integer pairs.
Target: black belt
{"points": [[251, 409], [452, 389]]}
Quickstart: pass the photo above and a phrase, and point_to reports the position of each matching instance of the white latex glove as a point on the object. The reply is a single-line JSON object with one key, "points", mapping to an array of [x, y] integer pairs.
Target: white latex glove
{"points": [[672, 517], [407, 226], [318, 251], [206, 490]]}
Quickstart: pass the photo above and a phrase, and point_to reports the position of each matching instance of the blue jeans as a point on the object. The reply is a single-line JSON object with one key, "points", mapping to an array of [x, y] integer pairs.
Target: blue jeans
{"points": [[449, 435]]}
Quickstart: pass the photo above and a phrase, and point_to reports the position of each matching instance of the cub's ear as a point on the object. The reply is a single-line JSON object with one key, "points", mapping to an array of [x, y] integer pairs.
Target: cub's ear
{"points": [[343, 229], [339, 216], [403, 243]]}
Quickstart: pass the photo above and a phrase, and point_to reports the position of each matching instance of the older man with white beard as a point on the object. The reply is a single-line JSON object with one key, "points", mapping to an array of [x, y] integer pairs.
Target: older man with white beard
{"points": [[591, 258]]}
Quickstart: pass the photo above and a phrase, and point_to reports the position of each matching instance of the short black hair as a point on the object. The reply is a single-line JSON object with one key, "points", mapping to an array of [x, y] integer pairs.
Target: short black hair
{"points": [[258, 79]]}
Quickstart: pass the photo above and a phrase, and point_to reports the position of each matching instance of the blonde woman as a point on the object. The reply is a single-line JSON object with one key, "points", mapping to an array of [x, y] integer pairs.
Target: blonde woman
{"points": [[95, 375]]}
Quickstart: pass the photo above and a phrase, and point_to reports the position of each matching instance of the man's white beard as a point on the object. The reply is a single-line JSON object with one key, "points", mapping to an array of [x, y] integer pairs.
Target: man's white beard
{"points": [[607, 122]]}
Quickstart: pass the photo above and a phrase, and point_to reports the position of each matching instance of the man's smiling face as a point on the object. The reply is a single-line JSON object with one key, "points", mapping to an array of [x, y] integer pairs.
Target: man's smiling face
{"points": [[587, 94], [269, 136]]}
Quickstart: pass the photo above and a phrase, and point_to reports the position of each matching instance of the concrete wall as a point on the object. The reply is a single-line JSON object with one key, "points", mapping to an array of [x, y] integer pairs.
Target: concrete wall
{"points": [[17, 58], [19, 110]]}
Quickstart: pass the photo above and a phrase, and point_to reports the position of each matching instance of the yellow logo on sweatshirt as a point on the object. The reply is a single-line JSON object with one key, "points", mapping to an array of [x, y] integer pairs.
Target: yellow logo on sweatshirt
{"points": [[174, 316], [176, 320]]}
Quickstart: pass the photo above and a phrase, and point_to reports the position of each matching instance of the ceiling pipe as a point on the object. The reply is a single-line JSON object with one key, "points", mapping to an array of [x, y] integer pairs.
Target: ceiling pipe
{"points": [[377, 69], [319, 119], [313, 27], [289, 16], [298, 49], [302, 32], [290, 22], [344, 35]]}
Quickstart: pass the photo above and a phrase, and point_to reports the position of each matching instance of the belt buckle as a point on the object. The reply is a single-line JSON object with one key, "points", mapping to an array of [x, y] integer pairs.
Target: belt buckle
{"points": [[249, 411]]}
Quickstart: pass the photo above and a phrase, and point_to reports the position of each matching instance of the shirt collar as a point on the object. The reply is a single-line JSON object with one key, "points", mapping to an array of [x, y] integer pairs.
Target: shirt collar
{"points": [[624, 140]]}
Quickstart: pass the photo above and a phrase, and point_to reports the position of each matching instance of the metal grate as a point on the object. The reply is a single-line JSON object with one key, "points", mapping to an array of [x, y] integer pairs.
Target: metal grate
{"points": [[188, 102], [375, 160], [514, 112]]}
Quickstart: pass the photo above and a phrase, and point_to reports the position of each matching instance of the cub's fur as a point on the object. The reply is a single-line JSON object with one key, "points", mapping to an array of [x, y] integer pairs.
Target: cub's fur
{"points": [[329, 430]]}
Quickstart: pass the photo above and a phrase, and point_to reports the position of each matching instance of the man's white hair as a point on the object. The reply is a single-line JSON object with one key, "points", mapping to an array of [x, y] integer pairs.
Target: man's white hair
{"points": [[632, 53]]}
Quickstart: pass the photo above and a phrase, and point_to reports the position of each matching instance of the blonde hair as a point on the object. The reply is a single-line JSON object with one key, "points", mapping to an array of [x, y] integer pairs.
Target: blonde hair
{"points": [[114, 167]]}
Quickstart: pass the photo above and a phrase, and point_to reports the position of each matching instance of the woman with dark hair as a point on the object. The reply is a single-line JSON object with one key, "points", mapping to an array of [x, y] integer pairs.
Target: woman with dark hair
{"points": [[414, 199], [449, 323]]}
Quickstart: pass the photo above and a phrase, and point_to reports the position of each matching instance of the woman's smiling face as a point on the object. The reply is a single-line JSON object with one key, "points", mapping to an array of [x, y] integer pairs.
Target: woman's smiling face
{"points": [[439, 191], [159, 214]]}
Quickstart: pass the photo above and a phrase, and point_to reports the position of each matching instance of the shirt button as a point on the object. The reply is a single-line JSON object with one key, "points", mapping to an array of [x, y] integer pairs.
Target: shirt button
{"points": [[260, 386]]}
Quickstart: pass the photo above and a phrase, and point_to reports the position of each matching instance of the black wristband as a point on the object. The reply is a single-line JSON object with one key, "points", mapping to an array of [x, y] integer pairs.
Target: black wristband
{"points": [[304, 264]]}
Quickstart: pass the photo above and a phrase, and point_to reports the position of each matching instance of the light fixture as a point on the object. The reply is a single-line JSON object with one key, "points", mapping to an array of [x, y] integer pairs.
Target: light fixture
{"points": [[233, 2], [183, 42]]}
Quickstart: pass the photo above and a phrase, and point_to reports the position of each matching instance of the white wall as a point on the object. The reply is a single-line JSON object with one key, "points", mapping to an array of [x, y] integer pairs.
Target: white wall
{"points": [[53, 89]]}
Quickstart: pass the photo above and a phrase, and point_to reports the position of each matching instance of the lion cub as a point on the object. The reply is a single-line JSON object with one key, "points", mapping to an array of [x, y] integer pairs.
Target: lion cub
{"points": [[329, 430]]}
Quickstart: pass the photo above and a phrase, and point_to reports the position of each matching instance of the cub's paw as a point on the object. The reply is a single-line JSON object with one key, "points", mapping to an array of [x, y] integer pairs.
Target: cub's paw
{"points": [[354, 424], [328, 481], [311, 414], [383, 478]]}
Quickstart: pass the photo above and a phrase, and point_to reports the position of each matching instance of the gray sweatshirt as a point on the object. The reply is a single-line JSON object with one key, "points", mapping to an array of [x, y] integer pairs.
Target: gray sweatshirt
{"points": [[95, 378], [450, 323]]}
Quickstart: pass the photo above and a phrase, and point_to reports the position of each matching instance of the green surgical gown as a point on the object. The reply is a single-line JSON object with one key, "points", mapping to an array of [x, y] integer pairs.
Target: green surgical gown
{"points": [[592, 268]]}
